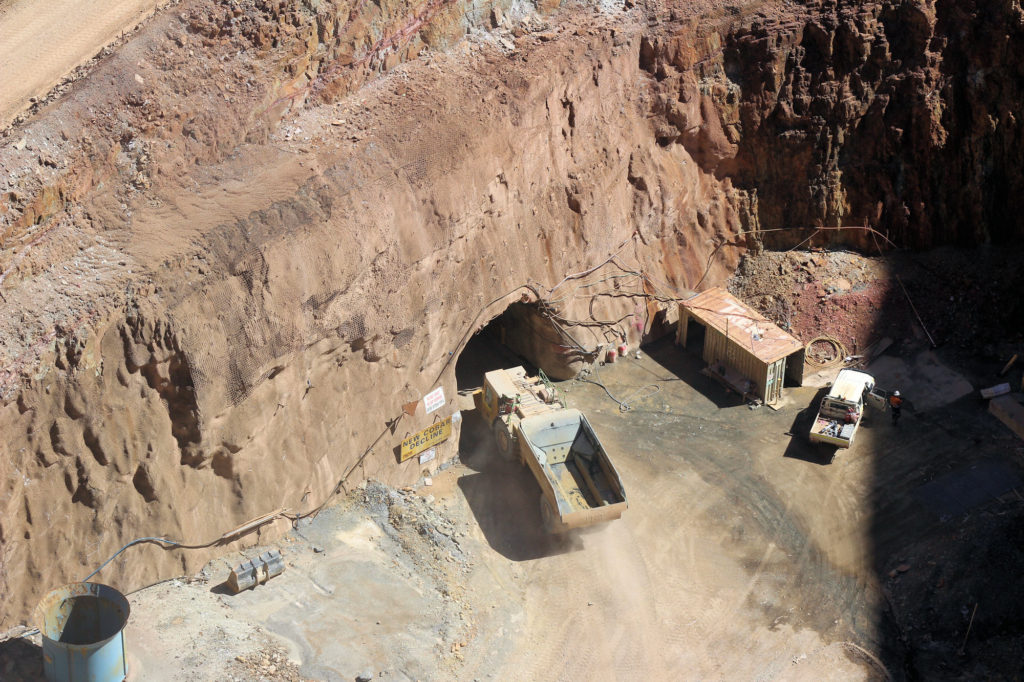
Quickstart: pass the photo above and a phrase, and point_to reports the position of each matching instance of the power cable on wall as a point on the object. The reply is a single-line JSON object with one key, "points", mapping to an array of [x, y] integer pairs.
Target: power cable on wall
{"points": [[872, 231], [546, 309], [164, 543], [161, 542]]}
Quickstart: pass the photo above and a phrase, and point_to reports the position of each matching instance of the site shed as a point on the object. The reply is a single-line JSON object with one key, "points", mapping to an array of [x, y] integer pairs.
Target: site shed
{"points": [[742, 347]]}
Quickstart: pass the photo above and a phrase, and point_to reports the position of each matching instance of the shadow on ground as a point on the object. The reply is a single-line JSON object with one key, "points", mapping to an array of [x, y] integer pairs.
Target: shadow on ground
{"points": [[946, 518], [20, 661], [688, 365], [504, 498], [800, 445]]}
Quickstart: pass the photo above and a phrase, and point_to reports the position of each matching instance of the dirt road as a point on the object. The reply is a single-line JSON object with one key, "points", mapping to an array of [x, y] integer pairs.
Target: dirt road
{"points": [[44, 41], [713, 573]]}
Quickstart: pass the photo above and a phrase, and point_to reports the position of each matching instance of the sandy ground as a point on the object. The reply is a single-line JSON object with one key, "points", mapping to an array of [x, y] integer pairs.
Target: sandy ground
{"points": [[746, 553], [44, 41]]}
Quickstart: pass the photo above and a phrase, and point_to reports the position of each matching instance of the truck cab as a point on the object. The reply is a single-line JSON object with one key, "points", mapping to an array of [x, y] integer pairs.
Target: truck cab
{"points": [[507, 397], [497, 397]]}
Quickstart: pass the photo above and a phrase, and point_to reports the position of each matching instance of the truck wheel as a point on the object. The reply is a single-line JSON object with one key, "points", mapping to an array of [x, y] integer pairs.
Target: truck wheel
{"points": [[504, 441], [551, 525]]}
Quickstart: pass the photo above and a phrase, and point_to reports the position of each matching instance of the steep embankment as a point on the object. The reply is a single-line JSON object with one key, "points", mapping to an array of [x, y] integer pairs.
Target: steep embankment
{"points": [[232, 253], [904, 116], [227, 314]]}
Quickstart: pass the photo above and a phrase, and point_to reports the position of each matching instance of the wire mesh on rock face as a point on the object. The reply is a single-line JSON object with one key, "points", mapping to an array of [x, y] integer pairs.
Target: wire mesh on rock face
{"points": [[259, 326], [432, 304], [253, 343], [404, 337], [353, 328]]}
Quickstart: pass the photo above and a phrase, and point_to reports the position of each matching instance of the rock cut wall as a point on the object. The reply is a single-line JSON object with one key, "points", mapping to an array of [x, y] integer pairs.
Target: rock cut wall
{"points": [[232, 254], [236, 329], [901, 115]]}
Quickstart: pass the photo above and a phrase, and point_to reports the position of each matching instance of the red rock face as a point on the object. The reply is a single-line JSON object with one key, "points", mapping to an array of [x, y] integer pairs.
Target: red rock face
{"points": [[902, 116]]}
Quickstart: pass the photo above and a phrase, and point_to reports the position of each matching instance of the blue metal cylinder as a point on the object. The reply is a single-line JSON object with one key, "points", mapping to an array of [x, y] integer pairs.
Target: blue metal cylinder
{"points": [[81, 624]]}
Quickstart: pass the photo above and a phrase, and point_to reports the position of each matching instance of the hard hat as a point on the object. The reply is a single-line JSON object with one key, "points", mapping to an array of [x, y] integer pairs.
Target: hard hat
{"points": [[896, 393]]}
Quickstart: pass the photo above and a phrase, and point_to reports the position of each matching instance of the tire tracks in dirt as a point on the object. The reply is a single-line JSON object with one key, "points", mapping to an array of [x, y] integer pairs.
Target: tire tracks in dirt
{"points": [[593, 613]]}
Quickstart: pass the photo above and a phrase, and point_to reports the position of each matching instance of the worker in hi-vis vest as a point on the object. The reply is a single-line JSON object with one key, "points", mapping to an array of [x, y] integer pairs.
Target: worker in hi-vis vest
{"points": [[895, 404]]}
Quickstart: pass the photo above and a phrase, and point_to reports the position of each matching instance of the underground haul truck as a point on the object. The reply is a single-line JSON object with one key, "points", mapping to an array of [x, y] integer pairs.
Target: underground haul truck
{"points": [[842, 408], [578, 483]]}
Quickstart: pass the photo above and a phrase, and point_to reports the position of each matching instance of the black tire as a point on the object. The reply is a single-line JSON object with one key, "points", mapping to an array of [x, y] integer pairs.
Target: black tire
{"points": [[552, 525], [503, 440]]}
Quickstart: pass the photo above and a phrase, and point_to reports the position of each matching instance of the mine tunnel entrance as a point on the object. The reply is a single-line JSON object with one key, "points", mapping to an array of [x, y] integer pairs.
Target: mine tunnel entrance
{"points": [[522, 335], [485, 351], [501, 493], [488, 350]]}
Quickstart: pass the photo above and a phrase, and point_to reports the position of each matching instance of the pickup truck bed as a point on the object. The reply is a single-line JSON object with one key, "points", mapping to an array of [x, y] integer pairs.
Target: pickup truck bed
{"points": [[842, 408], [832, 431]]}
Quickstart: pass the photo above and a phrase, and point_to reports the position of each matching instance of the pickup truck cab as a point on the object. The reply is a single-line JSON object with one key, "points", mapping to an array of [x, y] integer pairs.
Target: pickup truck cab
{"points": [[842, 408]]}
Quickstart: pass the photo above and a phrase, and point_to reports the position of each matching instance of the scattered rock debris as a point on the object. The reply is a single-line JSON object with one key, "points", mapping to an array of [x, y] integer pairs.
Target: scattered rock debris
{"points": [[270, 663], [857, 300]]}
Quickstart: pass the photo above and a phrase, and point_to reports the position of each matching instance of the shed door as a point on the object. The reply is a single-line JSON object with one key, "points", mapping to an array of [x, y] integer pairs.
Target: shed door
{"points": [[795, 368], [776, 371]]}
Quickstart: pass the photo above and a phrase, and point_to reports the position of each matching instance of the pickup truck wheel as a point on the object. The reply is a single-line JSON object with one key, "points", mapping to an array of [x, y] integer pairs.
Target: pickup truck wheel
{"points": [[503, 440]]}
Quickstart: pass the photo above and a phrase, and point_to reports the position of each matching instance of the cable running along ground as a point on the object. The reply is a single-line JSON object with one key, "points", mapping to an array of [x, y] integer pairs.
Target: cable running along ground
{"points": [[626, 404]]}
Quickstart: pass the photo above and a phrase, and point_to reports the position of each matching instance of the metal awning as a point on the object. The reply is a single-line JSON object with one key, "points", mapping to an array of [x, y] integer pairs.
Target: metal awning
{"points": [[743, 325]]}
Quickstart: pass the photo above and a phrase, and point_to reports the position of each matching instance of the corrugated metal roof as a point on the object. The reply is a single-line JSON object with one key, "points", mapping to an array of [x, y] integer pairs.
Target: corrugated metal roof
{"points": [[744, 326]]}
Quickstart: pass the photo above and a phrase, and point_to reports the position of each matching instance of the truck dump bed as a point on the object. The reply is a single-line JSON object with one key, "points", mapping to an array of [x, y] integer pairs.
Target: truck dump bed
{"points": [[575, 474]]}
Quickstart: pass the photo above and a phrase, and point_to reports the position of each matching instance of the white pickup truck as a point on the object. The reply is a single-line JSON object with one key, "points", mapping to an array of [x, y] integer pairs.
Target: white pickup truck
{"points": [[842, 408]]}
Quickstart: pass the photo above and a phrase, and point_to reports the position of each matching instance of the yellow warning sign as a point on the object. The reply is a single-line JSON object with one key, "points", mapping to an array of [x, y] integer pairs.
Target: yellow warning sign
{"points": [[428, 437]]}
